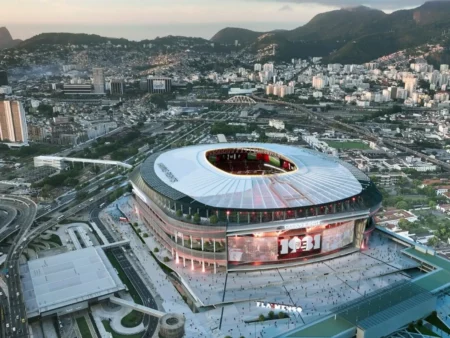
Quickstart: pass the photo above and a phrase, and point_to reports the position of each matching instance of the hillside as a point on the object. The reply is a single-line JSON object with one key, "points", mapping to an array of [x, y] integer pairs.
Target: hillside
{"points": [[352, 35], [68, 38], [230, 35], [6, 40]]}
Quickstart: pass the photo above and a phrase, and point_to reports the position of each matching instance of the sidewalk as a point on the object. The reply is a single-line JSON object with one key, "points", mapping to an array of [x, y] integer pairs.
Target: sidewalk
{"points": [[172, 301], [114, 315]]}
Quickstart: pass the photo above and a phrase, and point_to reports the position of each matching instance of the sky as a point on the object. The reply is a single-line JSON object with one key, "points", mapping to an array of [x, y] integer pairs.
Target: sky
{"points": [[140, 19]]}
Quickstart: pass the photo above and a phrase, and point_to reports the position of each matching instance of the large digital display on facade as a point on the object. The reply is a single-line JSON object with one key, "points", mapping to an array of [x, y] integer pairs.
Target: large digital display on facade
{"points": [[290, 244], [159, 85], [338, 237], [252, 249]]}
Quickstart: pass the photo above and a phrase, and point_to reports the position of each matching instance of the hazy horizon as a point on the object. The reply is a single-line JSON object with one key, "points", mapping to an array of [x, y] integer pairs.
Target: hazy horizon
{"points": [[138, 20], [142, 32]]}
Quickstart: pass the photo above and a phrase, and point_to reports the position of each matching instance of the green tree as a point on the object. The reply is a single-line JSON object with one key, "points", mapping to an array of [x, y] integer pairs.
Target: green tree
{"points": [[271, 315], [213, 219], [404, 224], [179, 213], [261, 318], [145, 235], [166, 259], [432, 204], [281, 315], [82, 195], [188, 217], [155, 250], [196, 218], [401, 205]]}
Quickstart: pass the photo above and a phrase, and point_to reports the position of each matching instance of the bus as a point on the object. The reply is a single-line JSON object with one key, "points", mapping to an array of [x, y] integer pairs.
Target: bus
{"points": [[102, 205], [123, 219]]}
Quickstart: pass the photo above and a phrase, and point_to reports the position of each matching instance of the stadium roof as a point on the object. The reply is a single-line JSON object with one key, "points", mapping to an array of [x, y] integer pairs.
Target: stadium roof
{"points": [[72, 277], [319, 179]]}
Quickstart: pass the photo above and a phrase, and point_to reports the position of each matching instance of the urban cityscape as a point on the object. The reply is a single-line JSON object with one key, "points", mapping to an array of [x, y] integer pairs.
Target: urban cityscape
{"points": [[254, 184]]}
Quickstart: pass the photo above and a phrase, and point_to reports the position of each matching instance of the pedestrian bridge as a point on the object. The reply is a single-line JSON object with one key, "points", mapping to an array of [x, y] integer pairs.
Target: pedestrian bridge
{"points": [[57, 161], [144, 309], [115, 244]]}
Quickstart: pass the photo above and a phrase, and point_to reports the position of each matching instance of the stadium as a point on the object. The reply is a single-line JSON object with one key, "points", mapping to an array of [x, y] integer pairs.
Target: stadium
{"points": [[248, 206]]}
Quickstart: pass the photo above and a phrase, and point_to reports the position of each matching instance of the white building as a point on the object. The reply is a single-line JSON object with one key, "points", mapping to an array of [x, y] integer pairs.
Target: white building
{"points": [[98, 81], [319, 82], [277, 124]]}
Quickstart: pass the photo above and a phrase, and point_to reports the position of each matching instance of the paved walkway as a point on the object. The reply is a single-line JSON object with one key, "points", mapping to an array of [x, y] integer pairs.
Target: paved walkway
{"points": [[172, 301], [114, 315]]}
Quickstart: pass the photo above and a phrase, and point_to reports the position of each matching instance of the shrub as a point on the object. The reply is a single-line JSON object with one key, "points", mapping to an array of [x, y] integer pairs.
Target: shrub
{"points": [[188, 217], [145, 235], [166, 259], [155, 250], [271, 315], [420, 322], [138, 230], [179, 213], [281, 315], [213, 219], [261, 318], [196, 218], [135, 224]]}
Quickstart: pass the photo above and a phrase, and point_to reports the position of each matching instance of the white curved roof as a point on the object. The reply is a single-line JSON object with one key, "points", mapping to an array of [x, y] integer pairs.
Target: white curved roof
{"points": [[319, 179]]}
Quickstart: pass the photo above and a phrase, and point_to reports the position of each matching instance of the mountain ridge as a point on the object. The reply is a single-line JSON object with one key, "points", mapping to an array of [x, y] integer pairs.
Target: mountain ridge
{"points": [[346, 34], [6, 40]]}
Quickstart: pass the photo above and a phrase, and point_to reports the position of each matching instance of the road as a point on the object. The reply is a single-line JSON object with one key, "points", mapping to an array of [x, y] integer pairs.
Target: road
{"points": [[359, 131], [150, 322], [15, 314], [16, 323]]}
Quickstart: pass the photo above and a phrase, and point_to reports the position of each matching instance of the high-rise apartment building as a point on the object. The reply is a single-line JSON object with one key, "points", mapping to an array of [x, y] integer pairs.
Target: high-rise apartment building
{"points": [[117, 87], [320, 81], [268, 67], [13, 124], [410, 85], [3, 78], [98, 80], [159, 84]]}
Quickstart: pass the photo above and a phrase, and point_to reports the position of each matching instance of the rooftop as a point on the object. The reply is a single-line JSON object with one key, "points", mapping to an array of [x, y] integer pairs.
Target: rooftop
{"points": [[317, 178], [53, 282]]}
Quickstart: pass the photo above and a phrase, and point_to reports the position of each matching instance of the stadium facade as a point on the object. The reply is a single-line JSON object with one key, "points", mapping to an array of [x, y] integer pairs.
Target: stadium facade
{"points": [[249, 206]]}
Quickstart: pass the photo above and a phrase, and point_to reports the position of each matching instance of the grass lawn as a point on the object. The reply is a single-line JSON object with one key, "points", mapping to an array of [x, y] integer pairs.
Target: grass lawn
{"points": [[434, 320], [347, 145], [117, 335], [137, 299], [133, 319], [55, 239], [84, 328]]}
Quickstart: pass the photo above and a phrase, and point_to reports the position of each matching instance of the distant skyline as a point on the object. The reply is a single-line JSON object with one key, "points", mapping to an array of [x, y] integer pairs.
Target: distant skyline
{"points": [[137, 20]]}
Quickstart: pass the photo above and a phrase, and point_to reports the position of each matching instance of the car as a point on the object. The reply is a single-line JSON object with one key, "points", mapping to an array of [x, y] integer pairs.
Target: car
{"points": [[23, 320], [17, 317], [7, 325]]}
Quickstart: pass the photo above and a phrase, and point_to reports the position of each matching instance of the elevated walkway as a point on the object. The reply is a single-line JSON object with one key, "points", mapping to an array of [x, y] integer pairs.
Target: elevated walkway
{"points": [[115, 244], [56, 161], [137, 307]]}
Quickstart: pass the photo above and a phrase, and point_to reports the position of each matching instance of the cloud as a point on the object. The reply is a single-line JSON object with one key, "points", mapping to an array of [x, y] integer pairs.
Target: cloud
{"points": [[379, 4], [286, 8]]}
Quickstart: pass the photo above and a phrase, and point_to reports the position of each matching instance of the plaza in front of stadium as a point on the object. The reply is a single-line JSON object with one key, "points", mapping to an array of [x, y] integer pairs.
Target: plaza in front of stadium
{"points": [[258, 228]]}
